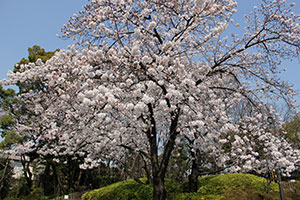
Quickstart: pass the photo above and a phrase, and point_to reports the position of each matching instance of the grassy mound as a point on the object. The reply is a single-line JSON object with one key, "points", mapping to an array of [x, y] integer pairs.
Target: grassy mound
{"points": [[130, 189], [216, 187], [229, 186]]}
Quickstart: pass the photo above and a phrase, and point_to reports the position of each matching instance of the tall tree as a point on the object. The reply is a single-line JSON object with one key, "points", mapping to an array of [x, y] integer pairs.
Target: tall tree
{"points": [[12, 109], [154, 72]]}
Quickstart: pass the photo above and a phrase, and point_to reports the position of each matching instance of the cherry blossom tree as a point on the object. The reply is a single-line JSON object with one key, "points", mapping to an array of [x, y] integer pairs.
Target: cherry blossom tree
{"points": [[251, 142], [146, 74]]}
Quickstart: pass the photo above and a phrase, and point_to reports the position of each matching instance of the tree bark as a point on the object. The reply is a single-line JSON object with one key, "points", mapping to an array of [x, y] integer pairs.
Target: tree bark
{"points": [[59, 187], [282, 196], [26, 171], [193, 177], [159, 168], [159, 192], [44, 180]]}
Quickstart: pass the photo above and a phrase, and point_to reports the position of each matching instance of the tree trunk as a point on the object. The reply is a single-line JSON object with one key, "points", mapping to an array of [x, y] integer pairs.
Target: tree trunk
{"points": [[59, 188], [159, 192], [26, 171], [159, 168], [269, 180], [282, 196], [45, 179], [193, 177], [148, 174]]}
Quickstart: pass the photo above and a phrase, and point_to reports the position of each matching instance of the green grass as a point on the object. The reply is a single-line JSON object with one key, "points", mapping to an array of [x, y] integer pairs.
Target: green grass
{"points": [[130, 189], [216, 187], [222, 184], [231, 185]]}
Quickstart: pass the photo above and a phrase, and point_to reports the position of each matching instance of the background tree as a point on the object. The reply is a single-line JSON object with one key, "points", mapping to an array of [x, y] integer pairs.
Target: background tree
{"points": [[7, 119], [35, 53], [65, 176], [12, 110], [292, 128]]}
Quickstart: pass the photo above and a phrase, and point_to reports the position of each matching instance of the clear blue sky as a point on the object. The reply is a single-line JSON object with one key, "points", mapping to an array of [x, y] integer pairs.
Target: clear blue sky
{"points": [[24, 23]]}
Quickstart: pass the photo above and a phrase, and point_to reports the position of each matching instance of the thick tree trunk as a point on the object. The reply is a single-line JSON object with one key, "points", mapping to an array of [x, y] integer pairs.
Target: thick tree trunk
{"points": [[159, 167], [159, 192]]}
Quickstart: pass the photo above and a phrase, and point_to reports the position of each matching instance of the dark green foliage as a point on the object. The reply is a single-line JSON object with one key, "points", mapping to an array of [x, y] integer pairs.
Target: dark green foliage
{"points": [[22, 188], [18, 189], [6, 97], [101, 176], [102, 181], [35, 53], [180, 164], [292, 129], [7, 119], [5, 177], [291, 132]]}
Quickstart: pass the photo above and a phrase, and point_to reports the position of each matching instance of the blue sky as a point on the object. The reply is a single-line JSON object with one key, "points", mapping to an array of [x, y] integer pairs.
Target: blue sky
{"points": [[24, 23]]}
